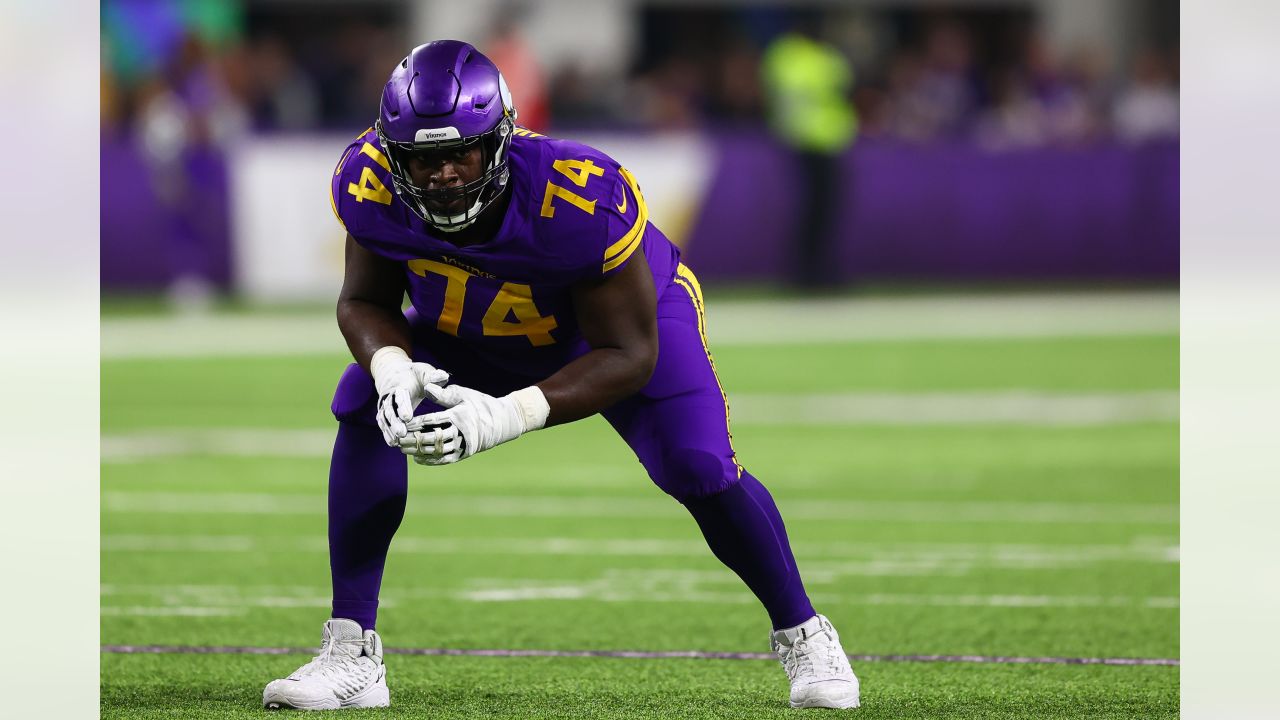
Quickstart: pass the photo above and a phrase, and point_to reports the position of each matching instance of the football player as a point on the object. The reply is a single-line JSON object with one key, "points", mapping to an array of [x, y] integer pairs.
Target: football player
{"points": [[541, 294]]}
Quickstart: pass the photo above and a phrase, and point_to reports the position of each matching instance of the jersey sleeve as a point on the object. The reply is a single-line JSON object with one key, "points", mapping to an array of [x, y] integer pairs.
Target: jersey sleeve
{"points": [[590, 214], [336, 183], [626, 219], [361, 184]]}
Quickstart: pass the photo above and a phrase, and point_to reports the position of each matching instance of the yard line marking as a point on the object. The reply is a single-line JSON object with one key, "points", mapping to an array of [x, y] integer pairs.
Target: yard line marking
{"points": [[729, 322], [891, 556], [197, 600], [640, 655], [180, 543], [1017, 407], [646, 586], [1017, 601], [1029, 315], [716, 586], [611, 593], [168, 611], [233, 442], [128, 501]]}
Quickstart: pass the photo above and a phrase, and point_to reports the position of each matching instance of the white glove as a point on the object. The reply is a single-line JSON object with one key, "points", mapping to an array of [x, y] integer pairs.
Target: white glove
{"points": [[400, 384], [473, 422]]}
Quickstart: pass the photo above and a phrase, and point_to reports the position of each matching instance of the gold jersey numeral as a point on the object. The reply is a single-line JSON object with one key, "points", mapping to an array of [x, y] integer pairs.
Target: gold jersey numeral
{"points": [[579, 171], [515, 301], [512, 312]]}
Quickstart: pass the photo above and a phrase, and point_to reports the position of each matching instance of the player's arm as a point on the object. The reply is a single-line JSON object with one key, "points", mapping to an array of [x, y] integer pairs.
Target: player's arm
{"points": [[377, 333], [369, 313], [617, 316]]}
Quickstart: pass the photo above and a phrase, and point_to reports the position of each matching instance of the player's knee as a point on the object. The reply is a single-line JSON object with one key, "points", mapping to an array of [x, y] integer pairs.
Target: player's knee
{"points": [[355, 399], [691, 473]]}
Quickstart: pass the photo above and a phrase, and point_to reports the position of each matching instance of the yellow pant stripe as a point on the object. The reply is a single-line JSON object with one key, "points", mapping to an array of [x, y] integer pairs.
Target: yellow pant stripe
{"points": [[686, 279]]}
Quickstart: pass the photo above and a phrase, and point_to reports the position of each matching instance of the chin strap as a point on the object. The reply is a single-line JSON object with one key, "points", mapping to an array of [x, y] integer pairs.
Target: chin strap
{"points": [[455, 222]]}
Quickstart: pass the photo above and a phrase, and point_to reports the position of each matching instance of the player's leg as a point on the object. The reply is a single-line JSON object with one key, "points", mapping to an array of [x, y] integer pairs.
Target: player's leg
{"points": [[368, 489], [368, 484], [678, 427]]}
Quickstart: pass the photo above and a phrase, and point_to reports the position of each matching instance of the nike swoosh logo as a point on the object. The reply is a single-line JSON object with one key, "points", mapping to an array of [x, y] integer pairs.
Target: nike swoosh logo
{"points": [[623, 207]]}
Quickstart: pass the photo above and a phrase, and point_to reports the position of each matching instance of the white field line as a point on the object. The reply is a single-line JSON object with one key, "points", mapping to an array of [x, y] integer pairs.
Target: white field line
{"points": [[858, 558], [231, 442], [182, 543], [167, 611], [1168, 603], [1020, 407], [718, 586], [729, 323], [126, 501], [642, 587], [613, 594], [198, 600]]}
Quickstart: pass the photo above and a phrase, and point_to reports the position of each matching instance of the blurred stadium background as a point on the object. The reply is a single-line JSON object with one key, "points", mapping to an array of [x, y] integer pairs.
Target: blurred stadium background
{"points": [[977, 413], [1014, 141]]}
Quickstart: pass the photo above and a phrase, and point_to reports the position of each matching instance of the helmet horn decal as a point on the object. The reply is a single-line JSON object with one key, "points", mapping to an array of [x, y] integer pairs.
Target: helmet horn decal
{"points": [[508, 103]]}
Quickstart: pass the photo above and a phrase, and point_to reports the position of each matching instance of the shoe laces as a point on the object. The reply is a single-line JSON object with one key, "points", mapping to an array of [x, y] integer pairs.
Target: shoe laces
{"points": [[329, 662], [816, 656]]}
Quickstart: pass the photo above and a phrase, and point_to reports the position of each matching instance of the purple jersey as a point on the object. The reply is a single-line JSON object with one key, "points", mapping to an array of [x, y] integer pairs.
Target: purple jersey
{"points": [[575, 215]]}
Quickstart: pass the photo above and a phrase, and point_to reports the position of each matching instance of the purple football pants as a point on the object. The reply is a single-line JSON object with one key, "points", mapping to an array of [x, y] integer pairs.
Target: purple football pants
{"points": [[677, 425]]}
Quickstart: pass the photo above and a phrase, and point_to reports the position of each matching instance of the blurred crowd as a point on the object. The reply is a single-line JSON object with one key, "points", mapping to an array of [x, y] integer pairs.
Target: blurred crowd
{"points": [[206, 70], [919, 76]]}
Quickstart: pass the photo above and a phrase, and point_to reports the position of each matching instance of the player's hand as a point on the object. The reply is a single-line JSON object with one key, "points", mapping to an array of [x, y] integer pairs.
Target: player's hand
{"points": [[400, 383], [471, 422]]}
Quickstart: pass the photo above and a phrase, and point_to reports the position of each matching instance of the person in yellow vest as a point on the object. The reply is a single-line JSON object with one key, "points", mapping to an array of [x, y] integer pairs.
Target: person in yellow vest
{"points": [[807, 85]]}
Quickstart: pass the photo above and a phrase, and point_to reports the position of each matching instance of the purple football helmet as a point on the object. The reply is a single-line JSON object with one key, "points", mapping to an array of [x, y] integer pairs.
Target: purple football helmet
{"points": [[446, 94]]}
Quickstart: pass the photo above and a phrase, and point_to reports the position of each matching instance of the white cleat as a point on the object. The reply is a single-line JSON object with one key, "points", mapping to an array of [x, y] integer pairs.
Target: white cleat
{"points": [[348, 673], [816, 665]]}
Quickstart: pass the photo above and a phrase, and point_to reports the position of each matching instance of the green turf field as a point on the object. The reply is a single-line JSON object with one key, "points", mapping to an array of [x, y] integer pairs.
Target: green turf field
{"points": [[1000, 538]]}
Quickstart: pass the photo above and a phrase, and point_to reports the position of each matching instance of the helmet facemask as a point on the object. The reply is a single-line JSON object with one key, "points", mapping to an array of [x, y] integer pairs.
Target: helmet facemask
{"points": [[478, 194]]}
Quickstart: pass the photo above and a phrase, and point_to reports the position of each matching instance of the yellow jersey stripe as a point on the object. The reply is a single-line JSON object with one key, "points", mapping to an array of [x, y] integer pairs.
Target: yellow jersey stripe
{"points": [[642, 215], [333, 205], [338, 170], [621, 258], [618, 252]]}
